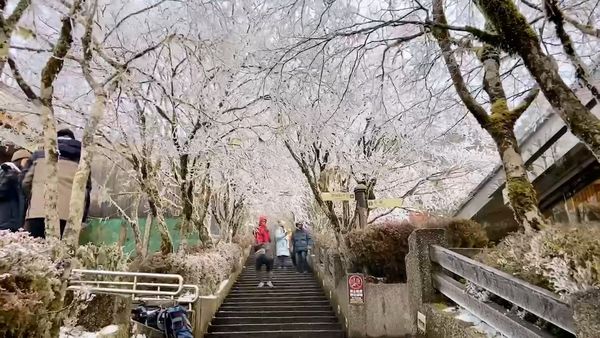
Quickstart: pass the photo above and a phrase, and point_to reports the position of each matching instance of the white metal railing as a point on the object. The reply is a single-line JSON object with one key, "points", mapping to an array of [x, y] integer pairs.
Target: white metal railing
{"points": [[139, 285]]}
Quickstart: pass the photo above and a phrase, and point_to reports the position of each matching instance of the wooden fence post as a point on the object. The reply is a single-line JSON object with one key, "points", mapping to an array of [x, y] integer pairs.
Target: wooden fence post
{"points": [[419, 268], [586, 308], [360, 195]]}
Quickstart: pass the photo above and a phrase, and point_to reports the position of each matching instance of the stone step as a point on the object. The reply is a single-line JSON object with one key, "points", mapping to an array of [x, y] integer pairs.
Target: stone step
{"points": [[273, 313], [279, 334], [274, 270], [283, 296], [274, 292], [276, 308], [273, 327], [291, 277], [279, 286], [276, 319], [277, 272], [285, 284], [282, 302]]}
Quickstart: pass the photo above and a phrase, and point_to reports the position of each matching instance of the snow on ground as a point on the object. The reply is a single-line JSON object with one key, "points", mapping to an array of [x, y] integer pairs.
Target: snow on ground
{"points": [[75, 332], [478, 324]]}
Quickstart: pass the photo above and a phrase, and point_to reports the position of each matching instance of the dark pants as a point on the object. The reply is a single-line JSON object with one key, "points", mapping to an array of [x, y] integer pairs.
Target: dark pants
{"points": [[264, 260], [268, 263], [301, 263], [37, 227], [282, 260]]}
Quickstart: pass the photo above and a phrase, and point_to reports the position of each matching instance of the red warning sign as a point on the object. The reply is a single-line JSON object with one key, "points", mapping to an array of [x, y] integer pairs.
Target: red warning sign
{"points": [[356, 289]]}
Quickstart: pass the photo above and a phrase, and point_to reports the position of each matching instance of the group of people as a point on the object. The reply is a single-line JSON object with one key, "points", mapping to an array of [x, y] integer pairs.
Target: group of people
{"points": [[296, 244], [22, 186]]}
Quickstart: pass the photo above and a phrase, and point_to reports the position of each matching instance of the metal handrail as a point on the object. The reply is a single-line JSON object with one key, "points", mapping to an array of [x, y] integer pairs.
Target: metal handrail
{"points": [[189, 297], [95, 286]]}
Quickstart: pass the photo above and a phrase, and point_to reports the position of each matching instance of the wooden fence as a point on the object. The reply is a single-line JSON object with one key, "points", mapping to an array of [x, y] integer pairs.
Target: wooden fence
{"points": [[533, 299], [433, 269]]}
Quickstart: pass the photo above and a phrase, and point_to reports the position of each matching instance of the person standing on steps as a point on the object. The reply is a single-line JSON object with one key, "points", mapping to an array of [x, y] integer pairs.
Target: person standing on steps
{"points": [[261, 234], [283, 245], [12, 198], [302, 242], [34, 181], [263, 253]]}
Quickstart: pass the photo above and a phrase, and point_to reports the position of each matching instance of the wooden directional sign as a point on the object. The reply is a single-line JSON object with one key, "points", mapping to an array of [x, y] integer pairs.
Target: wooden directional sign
{"points": [[386, 203], [337, 196]]}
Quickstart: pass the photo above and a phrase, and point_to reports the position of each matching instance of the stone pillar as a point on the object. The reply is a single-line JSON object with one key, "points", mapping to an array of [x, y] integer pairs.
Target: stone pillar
{"points": [[419, 269], [356, 315], [586, 308]]}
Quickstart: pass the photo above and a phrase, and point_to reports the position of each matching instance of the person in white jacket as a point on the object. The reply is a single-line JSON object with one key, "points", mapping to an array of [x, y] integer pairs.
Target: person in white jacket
{"points": [[282, 244]]}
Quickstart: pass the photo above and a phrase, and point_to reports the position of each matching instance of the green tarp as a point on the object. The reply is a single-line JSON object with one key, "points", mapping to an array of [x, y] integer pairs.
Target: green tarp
{"points": [[106, 231]]}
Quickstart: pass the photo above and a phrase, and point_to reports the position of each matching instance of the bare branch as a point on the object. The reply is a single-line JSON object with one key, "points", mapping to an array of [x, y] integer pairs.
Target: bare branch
{"points": [[526, 103], [26, 88], [443, 38]]}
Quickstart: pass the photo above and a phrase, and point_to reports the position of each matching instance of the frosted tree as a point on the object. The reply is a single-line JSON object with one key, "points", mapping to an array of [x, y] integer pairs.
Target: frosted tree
{"points": [[500, 123]]}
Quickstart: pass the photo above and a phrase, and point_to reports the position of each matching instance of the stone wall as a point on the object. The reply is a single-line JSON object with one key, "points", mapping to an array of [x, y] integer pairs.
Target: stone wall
{"points": [[385, 312], [207, 306]]}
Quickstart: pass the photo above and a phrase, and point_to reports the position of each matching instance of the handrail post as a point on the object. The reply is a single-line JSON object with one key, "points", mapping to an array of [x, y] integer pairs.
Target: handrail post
{"points": [[419, 268]]}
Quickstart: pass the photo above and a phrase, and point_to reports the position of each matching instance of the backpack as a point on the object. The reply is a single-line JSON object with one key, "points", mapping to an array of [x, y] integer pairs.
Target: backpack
{"points": [[174, 323]]}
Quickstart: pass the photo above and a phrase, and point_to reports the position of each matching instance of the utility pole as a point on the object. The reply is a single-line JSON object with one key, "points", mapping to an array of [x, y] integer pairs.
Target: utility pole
{"points": [[360, 195]]}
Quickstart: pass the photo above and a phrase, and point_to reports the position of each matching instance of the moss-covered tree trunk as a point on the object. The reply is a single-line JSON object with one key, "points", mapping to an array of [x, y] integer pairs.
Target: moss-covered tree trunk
{"points": [[519, 37], [522, 196], [7, 27], [499, 123]]}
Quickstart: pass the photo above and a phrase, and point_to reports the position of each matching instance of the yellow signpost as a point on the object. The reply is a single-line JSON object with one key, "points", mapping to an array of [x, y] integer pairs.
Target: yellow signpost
{"points": [[337, 196], [385, 203]]}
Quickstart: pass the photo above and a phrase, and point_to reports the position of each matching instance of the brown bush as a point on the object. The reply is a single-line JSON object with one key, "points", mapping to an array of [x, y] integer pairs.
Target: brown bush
{"points": [[461, 233], [381, 249], [29, 281]]}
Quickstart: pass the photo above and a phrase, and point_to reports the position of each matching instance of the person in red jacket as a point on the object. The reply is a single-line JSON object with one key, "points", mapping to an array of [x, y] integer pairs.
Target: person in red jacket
{"points": [[262, 235], [263, 253]]}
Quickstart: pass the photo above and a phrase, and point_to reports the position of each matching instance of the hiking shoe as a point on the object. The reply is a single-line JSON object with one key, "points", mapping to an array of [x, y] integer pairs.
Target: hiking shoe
{"points": [[270, 284], [261, 284]]}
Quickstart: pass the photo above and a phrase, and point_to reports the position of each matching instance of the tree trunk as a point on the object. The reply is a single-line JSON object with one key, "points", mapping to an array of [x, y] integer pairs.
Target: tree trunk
{"points": [[135, 226], [51, 187], [7, 28], [122, 234], [187, 198], [499, 123], [522, 196], [79, 189], [519, 37], [147, 234]]}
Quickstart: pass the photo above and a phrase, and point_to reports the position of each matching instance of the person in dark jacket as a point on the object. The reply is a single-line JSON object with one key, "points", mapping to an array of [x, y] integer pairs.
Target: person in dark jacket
{"points": [[12, 199], [302, 243], [69, 154]]}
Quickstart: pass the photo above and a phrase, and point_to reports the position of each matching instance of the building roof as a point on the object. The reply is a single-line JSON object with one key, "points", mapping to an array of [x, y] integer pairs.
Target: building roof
{"points": [[533, 144]]}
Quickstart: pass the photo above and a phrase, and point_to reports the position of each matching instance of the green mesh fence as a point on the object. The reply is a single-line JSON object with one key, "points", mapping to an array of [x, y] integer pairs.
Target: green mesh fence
{"points": [[106, 231]]}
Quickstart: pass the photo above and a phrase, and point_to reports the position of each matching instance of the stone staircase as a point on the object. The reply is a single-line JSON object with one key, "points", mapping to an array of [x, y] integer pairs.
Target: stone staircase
{"points": [[295, 308]]}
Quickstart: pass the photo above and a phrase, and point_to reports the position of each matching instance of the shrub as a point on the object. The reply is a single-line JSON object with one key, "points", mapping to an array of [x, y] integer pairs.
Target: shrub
{"points": [[461, 233], [83, 309], [243, 237], [381, 249], [206, 268], [563, 259], [29, 280]]}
